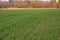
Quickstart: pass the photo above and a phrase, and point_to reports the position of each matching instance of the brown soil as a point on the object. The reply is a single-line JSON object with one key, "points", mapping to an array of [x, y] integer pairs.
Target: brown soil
{"points": [[25, 8]]}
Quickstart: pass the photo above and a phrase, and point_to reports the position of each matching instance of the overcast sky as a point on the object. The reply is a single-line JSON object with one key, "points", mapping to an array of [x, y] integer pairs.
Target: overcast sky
{"points": [[46, 0], [5, 0], [42, 0]]}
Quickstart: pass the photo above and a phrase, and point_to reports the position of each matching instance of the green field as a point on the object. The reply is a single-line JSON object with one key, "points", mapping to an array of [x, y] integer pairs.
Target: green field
{"points": [[30, 24]]}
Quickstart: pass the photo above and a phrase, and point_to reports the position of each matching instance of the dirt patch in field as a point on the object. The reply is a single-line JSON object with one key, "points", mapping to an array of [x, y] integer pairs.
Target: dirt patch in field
{"points": [[59, 38], [57, 25], [54, 22], [44, 24]]}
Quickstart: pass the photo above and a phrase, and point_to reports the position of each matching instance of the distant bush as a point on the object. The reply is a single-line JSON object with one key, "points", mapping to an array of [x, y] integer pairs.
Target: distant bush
{"points": [[33, 4]]}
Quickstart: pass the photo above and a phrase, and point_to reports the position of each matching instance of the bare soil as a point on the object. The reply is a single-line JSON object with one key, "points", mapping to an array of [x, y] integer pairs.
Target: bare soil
{"points": [[25, 8]]}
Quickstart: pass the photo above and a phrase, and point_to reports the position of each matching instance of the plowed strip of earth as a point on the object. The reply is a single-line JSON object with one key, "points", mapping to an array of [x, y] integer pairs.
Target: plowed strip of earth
{"points": [[25, 8]]}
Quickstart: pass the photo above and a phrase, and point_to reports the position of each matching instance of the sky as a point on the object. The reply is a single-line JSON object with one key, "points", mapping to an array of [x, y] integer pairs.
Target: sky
{"points": [[4, 0], [42, 0], [39, 0]]}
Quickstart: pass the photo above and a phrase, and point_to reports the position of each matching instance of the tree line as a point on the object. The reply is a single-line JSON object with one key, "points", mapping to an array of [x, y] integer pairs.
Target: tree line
{"points": [[29, 4]]}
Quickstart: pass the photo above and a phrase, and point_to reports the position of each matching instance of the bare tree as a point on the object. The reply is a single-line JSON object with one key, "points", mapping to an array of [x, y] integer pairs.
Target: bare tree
{"points": [[10, 1], [59, 3]]}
